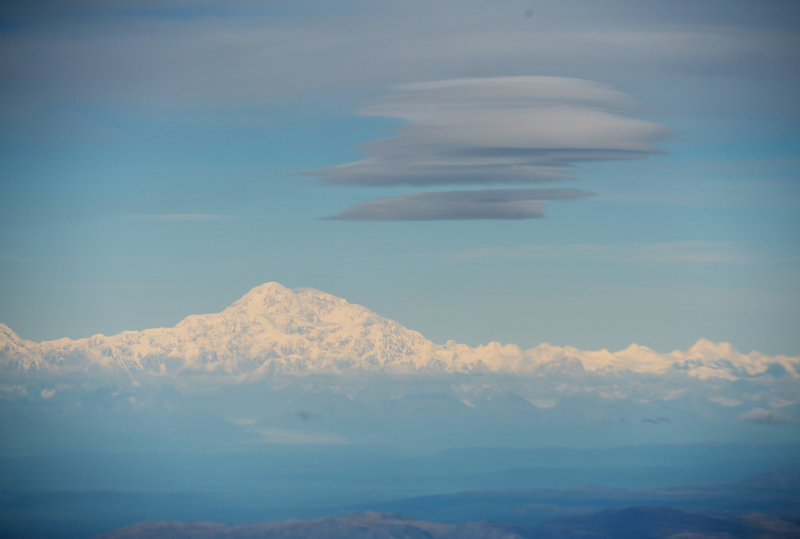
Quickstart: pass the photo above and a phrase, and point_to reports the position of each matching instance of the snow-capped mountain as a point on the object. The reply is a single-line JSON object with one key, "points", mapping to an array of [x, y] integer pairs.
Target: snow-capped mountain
{"points": [[274, 329]]}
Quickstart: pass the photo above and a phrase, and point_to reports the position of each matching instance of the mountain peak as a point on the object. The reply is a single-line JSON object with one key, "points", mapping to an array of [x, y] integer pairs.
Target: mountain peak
{"points": [[270, 288], [706, 348], [7, 331], [284, 306], [8, 336]]}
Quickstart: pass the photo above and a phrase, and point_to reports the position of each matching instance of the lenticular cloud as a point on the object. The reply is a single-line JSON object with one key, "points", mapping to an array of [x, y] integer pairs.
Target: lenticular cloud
{"points": [[503, 130], [455, 205]]}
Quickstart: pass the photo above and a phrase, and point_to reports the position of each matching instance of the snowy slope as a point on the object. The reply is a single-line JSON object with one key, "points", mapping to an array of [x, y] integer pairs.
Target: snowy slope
{"points": [[274, 329]]}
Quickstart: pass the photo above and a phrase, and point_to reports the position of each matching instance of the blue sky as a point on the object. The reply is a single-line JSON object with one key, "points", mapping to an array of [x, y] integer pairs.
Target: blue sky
{"points": [[151, 160]]}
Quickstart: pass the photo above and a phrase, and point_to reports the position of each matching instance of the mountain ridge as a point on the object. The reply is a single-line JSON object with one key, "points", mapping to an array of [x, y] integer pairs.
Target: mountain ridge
{"points": [[654, 522], [273, 329]]}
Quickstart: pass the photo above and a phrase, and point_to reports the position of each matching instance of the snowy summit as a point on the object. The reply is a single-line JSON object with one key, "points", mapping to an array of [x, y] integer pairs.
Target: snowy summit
{"points": [[273, 329]]}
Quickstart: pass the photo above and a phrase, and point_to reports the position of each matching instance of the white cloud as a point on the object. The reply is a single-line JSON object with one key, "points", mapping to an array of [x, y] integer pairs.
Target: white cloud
{"points": [[781, 403], [766, 417], [47, 393], [543, 403], [725, 401]]}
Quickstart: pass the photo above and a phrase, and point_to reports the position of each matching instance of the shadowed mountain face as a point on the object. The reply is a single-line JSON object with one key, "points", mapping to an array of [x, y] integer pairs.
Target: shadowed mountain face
{"points": [[630, 523]]}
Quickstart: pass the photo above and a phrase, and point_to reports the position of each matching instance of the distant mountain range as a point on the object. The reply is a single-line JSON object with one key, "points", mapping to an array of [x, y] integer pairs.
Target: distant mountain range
{"points": [[273, 329], [264, 486], [776, 493], [762, 506], [629, 523]]}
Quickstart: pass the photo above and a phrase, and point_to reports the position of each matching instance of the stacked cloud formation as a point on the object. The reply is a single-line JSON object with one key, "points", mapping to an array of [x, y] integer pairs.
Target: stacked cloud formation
{"points": [[503, 130]]}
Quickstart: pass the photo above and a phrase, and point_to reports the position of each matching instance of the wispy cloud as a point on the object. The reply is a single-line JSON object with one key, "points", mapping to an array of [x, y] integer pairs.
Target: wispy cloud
{"points": [[726, 401], [701, 252], [280, 436], [767, 417], [184, 217], [15, 390], [452, 205]]}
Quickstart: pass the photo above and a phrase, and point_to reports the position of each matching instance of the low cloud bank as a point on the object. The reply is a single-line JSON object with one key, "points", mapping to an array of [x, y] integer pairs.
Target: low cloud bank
{"points": [[766, 417]]}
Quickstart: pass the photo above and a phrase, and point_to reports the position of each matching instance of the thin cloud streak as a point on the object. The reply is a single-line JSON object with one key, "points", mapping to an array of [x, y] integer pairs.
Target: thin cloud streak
{"points": [[696, 252], [184, 217], [288, 437], [459, 205], [767, 417]]}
